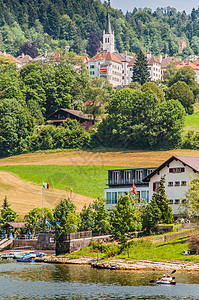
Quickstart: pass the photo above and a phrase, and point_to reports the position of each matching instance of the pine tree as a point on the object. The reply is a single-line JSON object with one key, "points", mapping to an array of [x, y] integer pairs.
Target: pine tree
{"points": [[160, 198], [140, 69]]}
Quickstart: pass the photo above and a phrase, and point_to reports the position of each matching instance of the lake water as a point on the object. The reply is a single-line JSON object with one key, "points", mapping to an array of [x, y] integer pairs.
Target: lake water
{"points": [[52, 281]]}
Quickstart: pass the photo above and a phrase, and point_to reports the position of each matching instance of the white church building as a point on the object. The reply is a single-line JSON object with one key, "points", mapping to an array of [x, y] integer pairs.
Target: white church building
{"points": [[108, 63]]}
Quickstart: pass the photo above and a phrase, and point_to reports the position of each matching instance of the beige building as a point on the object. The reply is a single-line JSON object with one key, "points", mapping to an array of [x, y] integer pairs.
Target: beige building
{"points": [[154, 67], [193, 66], [106, 65]]}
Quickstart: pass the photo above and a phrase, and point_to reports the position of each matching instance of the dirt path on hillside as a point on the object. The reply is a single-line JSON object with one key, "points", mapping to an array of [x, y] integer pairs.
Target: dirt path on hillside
{"points": [[125, 159], [24, 196]]}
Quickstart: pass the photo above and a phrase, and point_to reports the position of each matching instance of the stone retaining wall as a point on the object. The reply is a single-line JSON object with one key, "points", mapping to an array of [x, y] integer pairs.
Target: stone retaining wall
{"points": [[173, 236], [69, 246]]}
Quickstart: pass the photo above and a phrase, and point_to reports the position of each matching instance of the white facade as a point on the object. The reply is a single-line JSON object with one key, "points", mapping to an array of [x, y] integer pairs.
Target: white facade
{"points": [[106, 65], [178, 176]]}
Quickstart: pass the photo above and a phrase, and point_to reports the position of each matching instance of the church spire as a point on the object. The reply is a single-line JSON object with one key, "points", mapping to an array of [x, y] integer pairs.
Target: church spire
{"points": [[108, 37], [108, 30]]}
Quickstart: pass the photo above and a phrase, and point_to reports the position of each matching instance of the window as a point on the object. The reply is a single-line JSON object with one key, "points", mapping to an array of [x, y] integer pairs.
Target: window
{"points": [[127, 177], [176, 170], [92, 66], [92, 72], [170, 183], [108, 197], [170, 201], [115, 176], [138, 176], [177, 183], [183, 183], [183, 200], [114, 197], [143, 194], [156, 186], [177, 201], [149, 171]]}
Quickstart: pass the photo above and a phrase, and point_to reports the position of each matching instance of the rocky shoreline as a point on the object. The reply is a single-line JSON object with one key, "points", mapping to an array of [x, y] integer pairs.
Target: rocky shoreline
{"points": [[122, 264]]}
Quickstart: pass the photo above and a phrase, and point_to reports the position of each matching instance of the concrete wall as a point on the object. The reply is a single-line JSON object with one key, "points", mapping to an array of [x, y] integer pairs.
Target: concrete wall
{"points": [[44, 242], [72, 245]]}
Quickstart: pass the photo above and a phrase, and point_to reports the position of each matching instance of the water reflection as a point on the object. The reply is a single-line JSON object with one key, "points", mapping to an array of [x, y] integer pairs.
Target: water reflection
{"points": [[51, 281]]}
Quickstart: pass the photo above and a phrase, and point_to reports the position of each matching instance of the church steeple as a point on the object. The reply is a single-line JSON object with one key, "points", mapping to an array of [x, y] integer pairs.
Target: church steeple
{"points": [[108, 37], [108, 29]]}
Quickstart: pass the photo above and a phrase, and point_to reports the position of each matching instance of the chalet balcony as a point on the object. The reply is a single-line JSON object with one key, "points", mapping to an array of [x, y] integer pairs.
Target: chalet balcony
{"points": [[112, 182]]}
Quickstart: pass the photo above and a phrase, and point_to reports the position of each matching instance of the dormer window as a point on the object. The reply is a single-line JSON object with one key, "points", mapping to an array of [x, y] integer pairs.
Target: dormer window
{"points": [[176, 170]]}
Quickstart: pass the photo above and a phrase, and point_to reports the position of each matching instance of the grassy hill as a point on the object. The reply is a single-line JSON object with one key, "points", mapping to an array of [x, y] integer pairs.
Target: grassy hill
{"points": [[85, 172], [85, 180]]}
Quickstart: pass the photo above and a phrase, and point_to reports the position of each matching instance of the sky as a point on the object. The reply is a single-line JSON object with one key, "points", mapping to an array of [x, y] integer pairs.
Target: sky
{"points": [[180, 5]]}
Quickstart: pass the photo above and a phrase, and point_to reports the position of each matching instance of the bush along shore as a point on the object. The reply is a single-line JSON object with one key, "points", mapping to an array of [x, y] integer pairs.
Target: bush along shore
{"points": [[141, 254]]}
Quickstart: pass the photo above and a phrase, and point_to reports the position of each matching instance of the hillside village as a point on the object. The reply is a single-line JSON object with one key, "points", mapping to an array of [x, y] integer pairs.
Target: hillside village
{"points": [[116, 67]]}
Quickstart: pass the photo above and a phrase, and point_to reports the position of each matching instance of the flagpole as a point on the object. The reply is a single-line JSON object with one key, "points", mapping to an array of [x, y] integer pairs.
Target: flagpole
{"points": [[43, 202]]}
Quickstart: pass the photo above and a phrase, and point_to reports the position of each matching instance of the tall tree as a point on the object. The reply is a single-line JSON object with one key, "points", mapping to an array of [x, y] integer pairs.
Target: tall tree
{"points": [[190, 205], [93, 44], [161, 200], [140, 69], [28, 48], [151, 215], [140, 119], [7, 213], [66, 218], [182, 92], [123, 219]]}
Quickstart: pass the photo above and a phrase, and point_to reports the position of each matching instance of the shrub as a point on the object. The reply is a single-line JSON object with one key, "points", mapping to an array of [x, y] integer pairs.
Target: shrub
{"points": [[193, 242], [109, 249]]}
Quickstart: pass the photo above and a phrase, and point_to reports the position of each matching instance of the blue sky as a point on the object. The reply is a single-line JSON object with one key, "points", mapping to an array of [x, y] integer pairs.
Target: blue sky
{"points": [[180, 5]]}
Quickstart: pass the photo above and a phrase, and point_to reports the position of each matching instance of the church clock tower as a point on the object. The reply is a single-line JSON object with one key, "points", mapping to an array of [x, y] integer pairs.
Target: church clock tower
{"points": [[108, 38]]}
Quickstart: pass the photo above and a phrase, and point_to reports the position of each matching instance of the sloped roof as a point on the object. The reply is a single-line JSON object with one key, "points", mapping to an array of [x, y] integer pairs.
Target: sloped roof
{"points": [[106, 56], [166, 61], [196, 62], [186, 64], [122, 57], [15, 224], [191, 161], [132, 61], [24, 59], [74, 112], [150, 60]]}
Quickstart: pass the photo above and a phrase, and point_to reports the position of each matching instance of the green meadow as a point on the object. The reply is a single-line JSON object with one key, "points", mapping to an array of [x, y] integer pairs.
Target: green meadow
{"points": [[192, 122], [85, 180], [142, 249]]}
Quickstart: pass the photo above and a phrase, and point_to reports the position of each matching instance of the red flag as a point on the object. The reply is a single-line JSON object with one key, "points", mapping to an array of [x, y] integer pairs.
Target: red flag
{"points": [[134, 189]]}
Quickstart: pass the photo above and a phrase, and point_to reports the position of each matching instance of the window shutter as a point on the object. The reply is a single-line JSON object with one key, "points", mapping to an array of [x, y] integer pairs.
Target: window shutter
{"points": [[154, 186], [182, 169], [171, 170]]}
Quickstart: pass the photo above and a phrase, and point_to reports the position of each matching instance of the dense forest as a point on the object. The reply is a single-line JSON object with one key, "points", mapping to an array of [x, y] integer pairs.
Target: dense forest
{"points": [[53, 24]]}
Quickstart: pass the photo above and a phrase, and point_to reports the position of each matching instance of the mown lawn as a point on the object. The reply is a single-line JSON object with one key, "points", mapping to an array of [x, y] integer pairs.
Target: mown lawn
{"points": [[143, 249], [192, 122], [85, 180]]}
